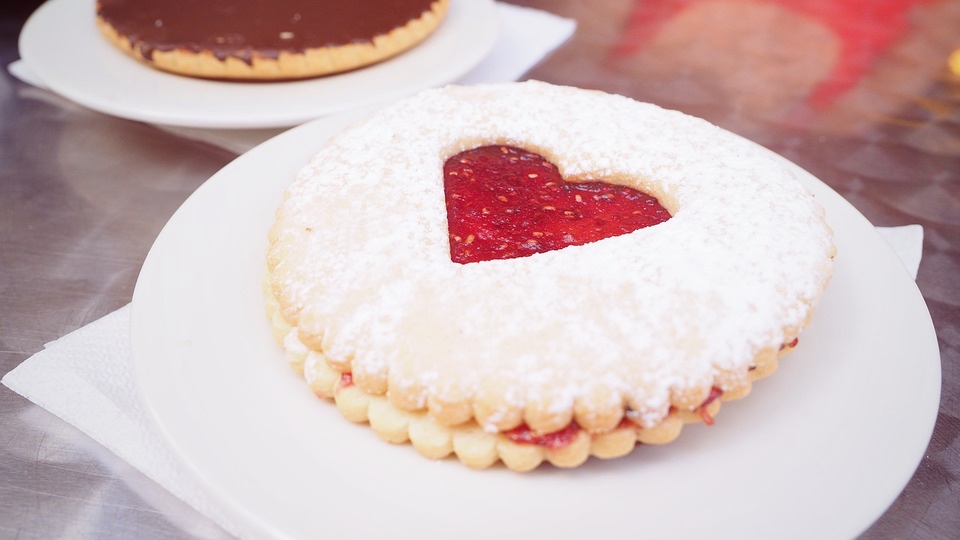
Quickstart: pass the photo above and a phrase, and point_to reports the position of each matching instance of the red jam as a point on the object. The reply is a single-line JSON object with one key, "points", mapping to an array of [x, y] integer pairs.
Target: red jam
{"points": [[702, 409], [504, 202], [790, 345], [557, 439], [346, 379], [564, 437]]}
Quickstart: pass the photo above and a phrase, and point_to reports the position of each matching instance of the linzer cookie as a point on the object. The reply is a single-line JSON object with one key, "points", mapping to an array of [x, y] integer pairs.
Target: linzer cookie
{"points": [[266, 39], [526, 272]]}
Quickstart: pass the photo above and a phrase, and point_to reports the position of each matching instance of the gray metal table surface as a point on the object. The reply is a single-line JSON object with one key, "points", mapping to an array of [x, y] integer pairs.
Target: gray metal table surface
{"points": [[866, 96]]}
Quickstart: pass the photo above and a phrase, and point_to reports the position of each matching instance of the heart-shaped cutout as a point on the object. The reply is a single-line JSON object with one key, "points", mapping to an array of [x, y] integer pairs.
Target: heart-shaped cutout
{"points": [[504, 202]]}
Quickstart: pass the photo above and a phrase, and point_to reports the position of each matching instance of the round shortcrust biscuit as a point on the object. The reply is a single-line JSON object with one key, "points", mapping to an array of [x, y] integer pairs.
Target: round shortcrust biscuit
{"points": [[585, 350], [266, 40]]}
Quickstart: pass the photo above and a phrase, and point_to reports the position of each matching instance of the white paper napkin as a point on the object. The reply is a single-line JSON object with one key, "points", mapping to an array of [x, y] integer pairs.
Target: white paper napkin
{"points": [[86, 379], [907, 242], [525, 37]]}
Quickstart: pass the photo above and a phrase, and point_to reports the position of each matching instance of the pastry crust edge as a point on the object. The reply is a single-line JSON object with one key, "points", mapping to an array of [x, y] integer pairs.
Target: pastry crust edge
{"points": [[474, 446], [313, 62]]}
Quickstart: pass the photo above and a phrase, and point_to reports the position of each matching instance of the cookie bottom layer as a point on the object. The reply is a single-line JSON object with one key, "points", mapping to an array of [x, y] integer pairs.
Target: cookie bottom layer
{"points": [[469, 442]]}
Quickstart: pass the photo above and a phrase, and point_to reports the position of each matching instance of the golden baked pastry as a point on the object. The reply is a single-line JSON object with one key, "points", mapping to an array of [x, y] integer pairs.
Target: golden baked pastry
{"points": [[266, 39], [525, 272]]}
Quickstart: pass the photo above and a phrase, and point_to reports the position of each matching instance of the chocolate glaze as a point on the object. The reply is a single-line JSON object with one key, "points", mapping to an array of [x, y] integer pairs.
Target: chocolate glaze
{"points": [[239, 27]]}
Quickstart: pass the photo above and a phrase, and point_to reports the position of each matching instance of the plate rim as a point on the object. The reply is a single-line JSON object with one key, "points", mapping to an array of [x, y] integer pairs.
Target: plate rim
{"points": [[471, 22]]}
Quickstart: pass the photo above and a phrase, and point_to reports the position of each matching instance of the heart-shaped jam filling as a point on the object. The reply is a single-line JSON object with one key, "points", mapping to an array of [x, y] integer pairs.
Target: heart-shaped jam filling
{"points": [[504, 202]]}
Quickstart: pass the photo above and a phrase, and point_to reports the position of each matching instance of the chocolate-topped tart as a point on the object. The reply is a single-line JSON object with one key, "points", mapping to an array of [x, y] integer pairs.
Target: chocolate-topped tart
{"points": [[526, 272], [266, 39]]}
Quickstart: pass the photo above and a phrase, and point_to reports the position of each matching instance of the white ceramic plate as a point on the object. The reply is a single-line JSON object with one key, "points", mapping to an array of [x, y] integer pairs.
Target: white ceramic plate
{"points": [[819, 450], [61, 44]]}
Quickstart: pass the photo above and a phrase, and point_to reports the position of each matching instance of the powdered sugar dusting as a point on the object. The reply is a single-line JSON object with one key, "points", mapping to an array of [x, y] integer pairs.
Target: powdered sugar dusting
{"points": [[362, 246]]}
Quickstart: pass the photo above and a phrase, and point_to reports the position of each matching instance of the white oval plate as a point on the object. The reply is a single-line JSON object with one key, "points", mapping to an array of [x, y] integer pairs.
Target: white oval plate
{"points": [[819, 450], [62, 45]]}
